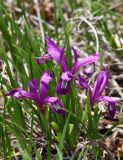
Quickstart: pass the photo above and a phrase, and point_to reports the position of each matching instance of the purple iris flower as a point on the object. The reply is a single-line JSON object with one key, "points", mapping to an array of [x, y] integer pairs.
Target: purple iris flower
{"points": [[96, 93], [58, 55], [40, 97]]}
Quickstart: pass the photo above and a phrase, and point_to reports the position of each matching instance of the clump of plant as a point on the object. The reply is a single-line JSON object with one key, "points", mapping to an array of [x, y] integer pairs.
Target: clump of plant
{"points": [[57, 92]]}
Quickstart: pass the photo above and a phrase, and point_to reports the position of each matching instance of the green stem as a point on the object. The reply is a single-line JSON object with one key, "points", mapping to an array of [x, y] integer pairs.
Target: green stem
{"points": [[49, 137]]}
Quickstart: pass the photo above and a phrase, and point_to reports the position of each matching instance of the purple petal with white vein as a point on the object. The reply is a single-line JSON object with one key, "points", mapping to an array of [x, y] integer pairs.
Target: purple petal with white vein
{"points": [[110, 103], [89, 69], [63, 85], [85, 61], [55, 105]]}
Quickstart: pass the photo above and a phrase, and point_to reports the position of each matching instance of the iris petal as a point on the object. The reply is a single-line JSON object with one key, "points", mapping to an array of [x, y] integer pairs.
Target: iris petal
{"points": [[63, 85], [33, 86], [55, 105], [44, 82], [89, 70], [83, 83], [67, 76], [99, 85], [53, 50], [110, 103], [20, 93], [57, 54], [85, 61]]}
